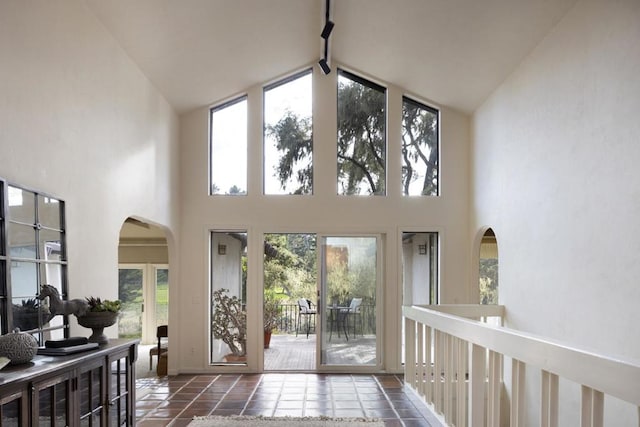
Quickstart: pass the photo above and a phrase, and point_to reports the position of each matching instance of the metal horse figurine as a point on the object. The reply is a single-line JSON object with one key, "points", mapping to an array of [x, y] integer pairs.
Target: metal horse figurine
{"points": [[57, 306]]}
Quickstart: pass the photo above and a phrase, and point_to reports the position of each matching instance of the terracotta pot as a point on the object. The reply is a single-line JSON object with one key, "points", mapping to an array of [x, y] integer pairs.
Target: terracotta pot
{"points": [[267, 339], [235, 358]]}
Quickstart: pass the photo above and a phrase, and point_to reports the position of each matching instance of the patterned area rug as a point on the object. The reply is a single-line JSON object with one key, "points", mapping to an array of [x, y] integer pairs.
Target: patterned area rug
{"points": [[244, 421]]}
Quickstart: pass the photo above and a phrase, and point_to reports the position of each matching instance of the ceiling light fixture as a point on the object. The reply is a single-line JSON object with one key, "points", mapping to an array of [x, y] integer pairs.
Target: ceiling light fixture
{"points": [[324, 66], [326, 32]]}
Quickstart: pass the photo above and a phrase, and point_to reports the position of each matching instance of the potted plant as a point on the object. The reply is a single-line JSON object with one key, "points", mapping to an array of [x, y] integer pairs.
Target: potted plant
{"points": [[25, 316], [271, 315], [229, 324], [101, 314]]}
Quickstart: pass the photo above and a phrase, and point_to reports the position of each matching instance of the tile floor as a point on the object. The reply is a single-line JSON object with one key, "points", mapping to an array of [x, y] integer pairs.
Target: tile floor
{"points": [[173, 401]]}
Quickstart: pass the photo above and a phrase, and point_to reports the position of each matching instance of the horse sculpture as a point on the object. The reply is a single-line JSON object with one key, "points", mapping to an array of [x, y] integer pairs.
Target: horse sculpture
{"points": [[57, 306]]}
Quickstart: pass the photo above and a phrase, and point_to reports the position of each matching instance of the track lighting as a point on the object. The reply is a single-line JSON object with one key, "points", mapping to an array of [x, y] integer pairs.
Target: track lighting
{"points": [[326, 31], [324, 66]]}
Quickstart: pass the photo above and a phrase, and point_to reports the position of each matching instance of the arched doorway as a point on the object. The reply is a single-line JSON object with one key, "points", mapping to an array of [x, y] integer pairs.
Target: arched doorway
{"points": [[143, 280], [488, 268]]}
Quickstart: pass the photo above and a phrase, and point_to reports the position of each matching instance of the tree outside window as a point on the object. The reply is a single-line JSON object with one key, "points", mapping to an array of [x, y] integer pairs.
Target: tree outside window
{"points": [[419, 149], [362, 145]]}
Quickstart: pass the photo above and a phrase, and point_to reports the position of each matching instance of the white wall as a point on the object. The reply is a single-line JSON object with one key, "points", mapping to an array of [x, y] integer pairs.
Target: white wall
{"points": [[78, 120], [555, 174], [322, 212]]}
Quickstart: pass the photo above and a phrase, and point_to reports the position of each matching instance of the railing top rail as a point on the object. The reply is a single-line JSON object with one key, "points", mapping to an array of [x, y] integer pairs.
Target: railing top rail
{"points": [[615, 377], [468, 310]]}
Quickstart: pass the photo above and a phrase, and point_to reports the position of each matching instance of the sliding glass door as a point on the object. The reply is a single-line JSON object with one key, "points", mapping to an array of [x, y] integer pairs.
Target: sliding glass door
{"points": [[350, 277]]}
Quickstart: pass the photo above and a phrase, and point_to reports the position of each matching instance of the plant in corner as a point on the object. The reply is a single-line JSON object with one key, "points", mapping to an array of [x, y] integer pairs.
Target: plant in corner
{"points": [[229, 322], [101, 314], [271, 315]]}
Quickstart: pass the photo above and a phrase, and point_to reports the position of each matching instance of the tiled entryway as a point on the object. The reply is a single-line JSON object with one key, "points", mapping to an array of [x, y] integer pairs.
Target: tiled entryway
{"points": [[173, 401]]}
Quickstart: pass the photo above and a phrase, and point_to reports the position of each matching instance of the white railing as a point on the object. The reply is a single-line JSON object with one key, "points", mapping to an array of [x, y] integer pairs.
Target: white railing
{"points": [[446, 343]]}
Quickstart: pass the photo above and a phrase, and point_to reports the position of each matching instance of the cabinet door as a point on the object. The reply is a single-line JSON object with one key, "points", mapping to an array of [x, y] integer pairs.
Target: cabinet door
{"points": [[14, 409], [51, 400], [92, 394], [121, 389]]}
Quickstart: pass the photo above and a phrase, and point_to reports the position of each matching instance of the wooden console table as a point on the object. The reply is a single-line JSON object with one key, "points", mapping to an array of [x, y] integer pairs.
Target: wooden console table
{"points": [[92, 388]]}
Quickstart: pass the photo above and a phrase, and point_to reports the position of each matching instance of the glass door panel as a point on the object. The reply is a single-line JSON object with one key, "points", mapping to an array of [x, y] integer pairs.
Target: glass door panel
{"points": [[162, 296], [130, 292], [349, 283], [228, 342]]}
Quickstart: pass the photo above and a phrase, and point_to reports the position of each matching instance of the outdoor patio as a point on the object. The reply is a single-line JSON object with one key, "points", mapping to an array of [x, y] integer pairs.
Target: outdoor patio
{"points": [[289, 352]]}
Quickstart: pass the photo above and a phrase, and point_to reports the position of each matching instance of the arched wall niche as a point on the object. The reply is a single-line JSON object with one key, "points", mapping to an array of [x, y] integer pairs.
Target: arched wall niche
{"points": [[485, 283]]}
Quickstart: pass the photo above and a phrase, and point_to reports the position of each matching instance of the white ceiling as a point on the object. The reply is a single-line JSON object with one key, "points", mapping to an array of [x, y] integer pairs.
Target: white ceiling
{"points": [[452, 52]]}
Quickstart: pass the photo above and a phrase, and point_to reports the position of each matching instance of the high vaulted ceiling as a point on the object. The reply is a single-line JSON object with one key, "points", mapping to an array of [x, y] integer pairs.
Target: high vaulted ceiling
{"points": [[451, 52]]}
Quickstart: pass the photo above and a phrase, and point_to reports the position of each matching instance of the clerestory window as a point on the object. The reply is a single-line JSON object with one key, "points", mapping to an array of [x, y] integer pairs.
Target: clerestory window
{"points": [[419, 149], [362, 143], [288, 142], [228, 148]]}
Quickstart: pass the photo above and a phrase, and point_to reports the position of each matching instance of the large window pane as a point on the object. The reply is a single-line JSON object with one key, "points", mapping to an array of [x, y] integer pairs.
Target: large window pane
{"points": [[362, 147], [229, 148], [288, 145], [22, 241], [420, 267], [21, 205], [49, 212], [130, 283], [162, 296], [419, 149], [228, 297]]}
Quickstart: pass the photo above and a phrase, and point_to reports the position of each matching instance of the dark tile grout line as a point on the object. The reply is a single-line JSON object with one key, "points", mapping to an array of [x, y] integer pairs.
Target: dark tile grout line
{"points": [[253, 392], [393, 407]]}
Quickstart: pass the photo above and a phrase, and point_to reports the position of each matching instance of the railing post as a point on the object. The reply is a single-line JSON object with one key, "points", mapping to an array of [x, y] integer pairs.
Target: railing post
{"points": [[410, 352], [429, 377], [592, 408], [461, 383], [517, 391], [477, 376], [420, 359], [494, 389], [549, 399], [448, 377], [438, 342]]}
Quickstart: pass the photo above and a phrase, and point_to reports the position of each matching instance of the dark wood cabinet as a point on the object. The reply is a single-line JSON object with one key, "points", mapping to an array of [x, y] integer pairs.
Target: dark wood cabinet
{"points": [[93, 388]]}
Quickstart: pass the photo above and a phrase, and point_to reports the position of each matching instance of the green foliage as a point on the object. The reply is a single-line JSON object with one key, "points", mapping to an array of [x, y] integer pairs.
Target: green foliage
{"points": [[30, 305], [130, 285], [419, 145], [291, 272], [271, 310], [488, 281], [294, 141], [96, 304]]}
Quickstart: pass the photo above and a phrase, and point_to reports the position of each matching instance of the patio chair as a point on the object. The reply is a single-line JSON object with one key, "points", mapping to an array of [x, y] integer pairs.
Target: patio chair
{"points": [[353, 312], [162, 333], [306, 308]]}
